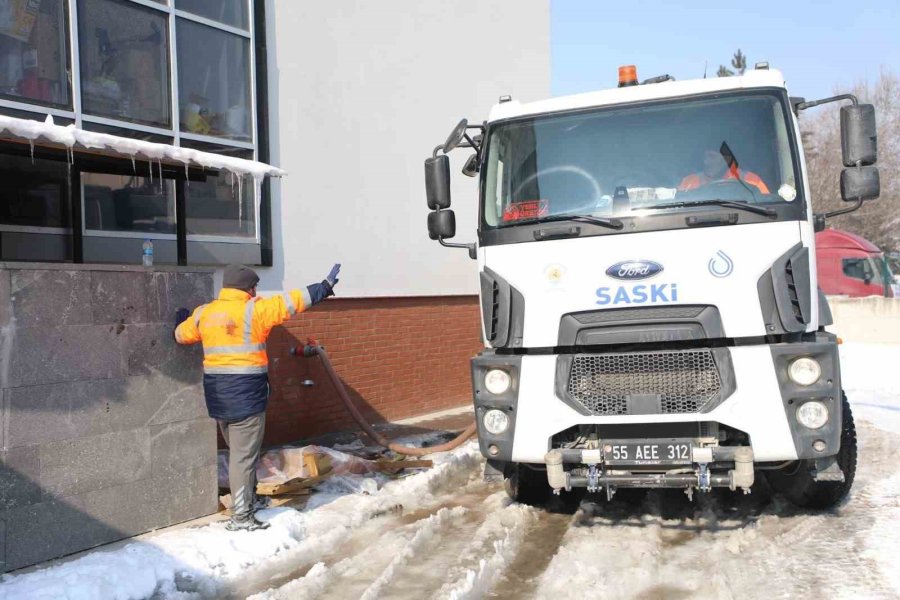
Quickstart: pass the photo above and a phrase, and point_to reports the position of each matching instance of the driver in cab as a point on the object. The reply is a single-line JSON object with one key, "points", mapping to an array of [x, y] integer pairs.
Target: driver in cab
{"points": [[721, 166]]}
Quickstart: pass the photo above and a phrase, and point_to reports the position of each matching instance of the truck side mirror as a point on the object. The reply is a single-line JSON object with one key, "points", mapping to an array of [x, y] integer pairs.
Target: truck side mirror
{"points": [[859, 139], [437, 182], [441, 224], [860, 183], [456, 136], [470, 169]]}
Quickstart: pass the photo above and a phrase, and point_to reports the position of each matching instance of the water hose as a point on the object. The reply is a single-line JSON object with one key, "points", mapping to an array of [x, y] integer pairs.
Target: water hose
{"points": [[313, 349]]}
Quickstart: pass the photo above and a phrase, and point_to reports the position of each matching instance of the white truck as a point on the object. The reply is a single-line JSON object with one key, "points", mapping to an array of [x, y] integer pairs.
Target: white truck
{"points": [[648, 289]]}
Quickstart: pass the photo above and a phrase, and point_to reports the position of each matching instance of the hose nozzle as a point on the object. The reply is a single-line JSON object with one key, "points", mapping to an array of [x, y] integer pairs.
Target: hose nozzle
{"points": [[308, 350], [311, 348]]}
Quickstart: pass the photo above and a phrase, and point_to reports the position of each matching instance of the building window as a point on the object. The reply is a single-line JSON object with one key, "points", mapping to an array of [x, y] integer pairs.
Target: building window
{"points": [[35, 222], [179, 72], [124, 61], [228, 12], [33, 193], [128, 204], [33, 52], [214, 82]]}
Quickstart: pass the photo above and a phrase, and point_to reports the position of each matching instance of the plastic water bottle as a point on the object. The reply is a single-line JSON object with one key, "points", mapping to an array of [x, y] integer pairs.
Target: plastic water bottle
{"points": [[147, 253]]}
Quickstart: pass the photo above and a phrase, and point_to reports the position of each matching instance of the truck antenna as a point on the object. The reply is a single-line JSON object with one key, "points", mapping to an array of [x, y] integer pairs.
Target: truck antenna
{"points": [[705, 63]]}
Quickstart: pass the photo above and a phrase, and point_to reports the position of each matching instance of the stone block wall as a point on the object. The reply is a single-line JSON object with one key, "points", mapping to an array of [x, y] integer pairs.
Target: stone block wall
{"points": [[103, 428]]}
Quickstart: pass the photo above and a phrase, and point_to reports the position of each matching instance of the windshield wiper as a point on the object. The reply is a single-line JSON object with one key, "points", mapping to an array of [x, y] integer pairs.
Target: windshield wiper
{"points": [[759, 210], [608, 223]]}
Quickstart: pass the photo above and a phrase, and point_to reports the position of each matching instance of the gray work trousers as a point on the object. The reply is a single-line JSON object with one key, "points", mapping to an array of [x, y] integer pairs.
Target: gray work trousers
{"points": [[244, 439]]}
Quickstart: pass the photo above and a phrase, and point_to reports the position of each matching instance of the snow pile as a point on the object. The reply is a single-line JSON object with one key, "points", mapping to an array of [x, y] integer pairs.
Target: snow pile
{"points": [[868, 377], [208, 560], [70, 135]]}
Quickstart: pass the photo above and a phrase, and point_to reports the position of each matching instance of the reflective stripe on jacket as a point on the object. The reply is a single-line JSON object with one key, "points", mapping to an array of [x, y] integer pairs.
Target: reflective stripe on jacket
{"points": [[234, 327], [695, 180]]}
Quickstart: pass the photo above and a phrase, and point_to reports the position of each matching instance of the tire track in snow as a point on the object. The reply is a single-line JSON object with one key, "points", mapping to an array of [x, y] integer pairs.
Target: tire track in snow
{"points": [[402, 537], [543, 538], [423, 535], [493, 547]]}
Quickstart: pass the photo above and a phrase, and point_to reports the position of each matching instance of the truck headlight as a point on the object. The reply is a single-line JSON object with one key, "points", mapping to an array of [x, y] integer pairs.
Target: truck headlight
{"points": [[497, 381], [495, 421], [812, 414], [805, 371]]}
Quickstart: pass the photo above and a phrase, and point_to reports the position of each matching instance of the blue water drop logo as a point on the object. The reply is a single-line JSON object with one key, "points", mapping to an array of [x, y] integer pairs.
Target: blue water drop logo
{"points": [[721, 265]]}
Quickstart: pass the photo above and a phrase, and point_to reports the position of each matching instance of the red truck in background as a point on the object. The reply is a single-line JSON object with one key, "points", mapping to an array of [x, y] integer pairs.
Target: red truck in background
{"points": [[851, 265]]}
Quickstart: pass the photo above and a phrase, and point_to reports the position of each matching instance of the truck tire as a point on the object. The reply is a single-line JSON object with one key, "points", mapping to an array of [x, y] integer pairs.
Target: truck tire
{"points": [[798, 485], [526, 485]]}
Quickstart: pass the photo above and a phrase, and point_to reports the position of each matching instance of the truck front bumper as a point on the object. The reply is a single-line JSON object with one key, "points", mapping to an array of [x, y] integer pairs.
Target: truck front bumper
{"points": [[762, 401]]}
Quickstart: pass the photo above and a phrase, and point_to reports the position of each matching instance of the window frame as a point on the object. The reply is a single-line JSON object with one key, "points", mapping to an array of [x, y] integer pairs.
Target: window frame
{"points": [[260, 201]]}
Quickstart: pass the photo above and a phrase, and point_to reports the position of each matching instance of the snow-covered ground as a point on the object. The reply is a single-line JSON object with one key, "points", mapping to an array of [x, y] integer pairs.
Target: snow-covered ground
{"points": [[445, 534]]}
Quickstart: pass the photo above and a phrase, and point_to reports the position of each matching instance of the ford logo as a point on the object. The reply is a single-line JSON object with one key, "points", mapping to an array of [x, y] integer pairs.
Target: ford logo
{"points": [[634, 269]]}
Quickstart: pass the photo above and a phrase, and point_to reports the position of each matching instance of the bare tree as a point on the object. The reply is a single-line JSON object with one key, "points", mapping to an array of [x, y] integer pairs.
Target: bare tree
{"points": [[877, 221]]}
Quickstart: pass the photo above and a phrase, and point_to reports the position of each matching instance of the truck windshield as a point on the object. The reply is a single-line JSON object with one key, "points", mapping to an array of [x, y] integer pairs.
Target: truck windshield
{"points": [[617, 161]]}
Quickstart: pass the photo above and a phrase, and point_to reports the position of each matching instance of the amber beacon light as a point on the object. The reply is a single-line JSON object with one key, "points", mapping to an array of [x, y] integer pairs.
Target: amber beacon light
{"points": [[627, 75]]}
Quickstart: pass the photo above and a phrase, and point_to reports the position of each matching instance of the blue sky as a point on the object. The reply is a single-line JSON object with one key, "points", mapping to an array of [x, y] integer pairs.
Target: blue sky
{"points": [[816, 44]]}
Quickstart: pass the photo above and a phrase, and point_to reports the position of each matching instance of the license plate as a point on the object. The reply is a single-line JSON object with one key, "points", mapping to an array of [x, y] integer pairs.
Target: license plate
{"points": [[647, 452]]}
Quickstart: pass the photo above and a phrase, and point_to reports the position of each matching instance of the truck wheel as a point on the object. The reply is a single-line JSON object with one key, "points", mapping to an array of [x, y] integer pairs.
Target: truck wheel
{"points": [[796, 483], [526, 485]]}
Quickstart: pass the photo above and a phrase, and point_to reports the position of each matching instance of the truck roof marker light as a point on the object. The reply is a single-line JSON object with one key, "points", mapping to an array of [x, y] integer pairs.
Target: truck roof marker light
{"points": [[505, 99], [761, 66], [627, 75]]}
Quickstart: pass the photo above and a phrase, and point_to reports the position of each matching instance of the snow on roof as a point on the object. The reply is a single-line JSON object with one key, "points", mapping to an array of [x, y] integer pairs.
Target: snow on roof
{"points": [[70, 136], [637, 93]]}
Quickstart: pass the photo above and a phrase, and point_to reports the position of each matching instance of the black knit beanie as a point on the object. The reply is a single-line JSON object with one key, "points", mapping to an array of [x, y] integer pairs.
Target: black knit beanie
{"points": [[239, 277]]}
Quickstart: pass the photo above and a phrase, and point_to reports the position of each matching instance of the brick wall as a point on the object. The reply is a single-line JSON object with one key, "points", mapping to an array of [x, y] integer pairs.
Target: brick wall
{"points": [[398, 357]]}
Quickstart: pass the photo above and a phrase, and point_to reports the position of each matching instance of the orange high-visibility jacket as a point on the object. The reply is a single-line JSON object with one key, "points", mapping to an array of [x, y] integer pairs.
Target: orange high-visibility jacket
{"points": [[234, 327], [695, 180]]}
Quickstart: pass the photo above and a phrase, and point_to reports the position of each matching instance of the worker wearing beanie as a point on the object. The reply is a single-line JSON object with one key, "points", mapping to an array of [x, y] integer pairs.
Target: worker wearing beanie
{"points": [[233, 330]]}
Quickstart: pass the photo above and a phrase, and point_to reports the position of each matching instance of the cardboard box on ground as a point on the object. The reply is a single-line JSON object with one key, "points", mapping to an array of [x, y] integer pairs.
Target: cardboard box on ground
{"points": [[295, 471]]}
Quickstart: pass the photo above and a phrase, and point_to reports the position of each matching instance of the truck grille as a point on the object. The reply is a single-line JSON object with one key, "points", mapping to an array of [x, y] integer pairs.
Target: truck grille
{"points": [[685, 381]]}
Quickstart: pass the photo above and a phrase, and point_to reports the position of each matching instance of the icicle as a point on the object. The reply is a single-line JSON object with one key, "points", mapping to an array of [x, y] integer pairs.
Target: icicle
{"points": [[150, 162], [231, 181], [31, 144], [159, 163], [257, 188], [133, 165], [186, 172], [240, 178]]}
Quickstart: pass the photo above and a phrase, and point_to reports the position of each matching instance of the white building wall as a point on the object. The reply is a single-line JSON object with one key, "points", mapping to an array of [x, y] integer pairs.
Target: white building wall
{"points": [[360, 93]]}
